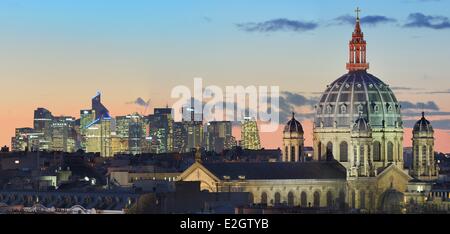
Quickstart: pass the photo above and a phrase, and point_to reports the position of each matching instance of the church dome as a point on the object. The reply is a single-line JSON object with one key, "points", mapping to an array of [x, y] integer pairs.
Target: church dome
{"points": [[358, 92], [354, 93], [423, 125], [293, 126]]}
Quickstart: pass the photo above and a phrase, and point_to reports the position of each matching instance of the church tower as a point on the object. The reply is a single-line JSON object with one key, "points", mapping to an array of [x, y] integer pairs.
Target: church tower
{"points": [[357, 48], [361, 161], [424, 166], [293, 142]]}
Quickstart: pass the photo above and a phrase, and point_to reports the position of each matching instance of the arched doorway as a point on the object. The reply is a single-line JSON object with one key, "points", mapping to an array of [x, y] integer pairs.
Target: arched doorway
{"points": [[316, 202], [277, 198], [303, 199], [264, 198], [330, 199], [290, 199]]}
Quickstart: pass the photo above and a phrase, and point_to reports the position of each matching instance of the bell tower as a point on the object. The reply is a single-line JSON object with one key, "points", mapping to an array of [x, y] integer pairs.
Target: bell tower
{"points": [[357, 48]]}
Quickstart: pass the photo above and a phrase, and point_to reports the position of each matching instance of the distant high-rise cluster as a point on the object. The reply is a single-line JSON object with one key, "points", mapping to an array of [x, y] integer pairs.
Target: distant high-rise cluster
{"points": [[97, 132]]}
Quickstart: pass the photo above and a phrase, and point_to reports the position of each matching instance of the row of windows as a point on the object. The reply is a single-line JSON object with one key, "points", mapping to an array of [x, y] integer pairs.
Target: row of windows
{"points": [[331, 201], [343, 108], [343, 151]]}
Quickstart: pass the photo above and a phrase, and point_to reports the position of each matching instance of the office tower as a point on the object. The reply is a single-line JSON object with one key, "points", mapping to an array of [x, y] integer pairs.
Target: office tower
{"points": [[98, 137], [193, 127], [119, 145], [131, 128], [98, 107], [63, 134], [98, 132], [42, 123], [136, 134], [86, 118], [25, 139], [218, 136], [250, 134], [161, 130], [179, 137]]}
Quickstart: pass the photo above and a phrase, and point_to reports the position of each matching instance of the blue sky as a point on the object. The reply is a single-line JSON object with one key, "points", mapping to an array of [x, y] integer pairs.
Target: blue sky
{"points": [[58, 53]]}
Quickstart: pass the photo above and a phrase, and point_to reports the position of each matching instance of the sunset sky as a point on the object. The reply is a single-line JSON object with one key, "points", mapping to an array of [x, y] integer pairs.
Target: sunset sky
{"points": [[58, 53]]}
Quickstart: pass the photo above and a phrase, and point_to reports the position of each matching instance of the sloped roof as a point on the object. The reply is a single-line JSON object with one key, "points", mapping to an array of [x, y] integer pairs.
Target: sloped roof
{"points": [[277, 170]]}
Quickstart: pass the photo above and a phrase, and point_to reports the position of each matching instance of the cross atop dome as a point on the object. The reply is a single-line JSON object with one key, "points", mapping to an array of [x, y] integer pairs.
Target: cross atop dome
{"points": [[357, 48], [357, 13]]}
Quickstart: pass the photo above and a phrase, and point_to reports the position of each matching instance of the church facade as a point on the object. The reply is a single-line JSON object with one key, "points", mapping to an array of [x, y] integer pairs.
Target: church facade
{"points": [[358, 151]]}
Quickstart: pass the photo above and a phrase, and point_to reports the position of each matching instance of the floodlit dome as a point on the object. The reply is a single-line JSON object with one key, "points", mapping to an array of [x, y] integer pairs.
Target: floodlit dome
{"points": [[423, 125], [358, 93], [293, 126]]}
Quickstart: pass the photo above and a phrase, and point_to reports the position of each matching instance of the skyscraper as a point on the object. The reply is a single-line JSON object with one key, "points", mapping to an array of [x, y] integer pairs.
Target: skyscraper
{"points": [[193, 127], [218, 136], [63, 134], [86, 118], [250, 134], [161, 130], [42, 124], [98, 132]]}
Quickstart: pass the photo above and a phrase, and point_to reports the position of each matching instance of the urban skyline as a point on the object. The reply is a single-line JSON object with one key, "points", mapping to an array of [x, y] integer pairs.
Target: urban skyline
{"points": [[370, 140], [136, 61]]}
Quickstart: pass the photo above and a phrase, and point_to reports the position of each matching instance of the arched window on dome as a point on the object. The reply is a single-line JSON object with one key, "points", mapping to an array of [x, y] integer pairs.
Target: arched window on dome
{"points": [[376, 151], [343, 109], [390, 152], [343, 151], [389, 107], [329, 109], [360, 108], [376, 108], [303, 200]]}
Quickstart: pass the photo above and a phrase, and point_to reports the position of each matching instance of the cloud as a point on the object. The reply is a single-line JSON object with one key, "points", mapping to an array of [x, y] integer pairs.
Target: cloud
{"points": [[402, 88], [419, 105], [140, 102], [207, 19], [428, 113], [438, 92], [289, 102], [371, 20], [443, 124], [280, 24], [419, 20]]}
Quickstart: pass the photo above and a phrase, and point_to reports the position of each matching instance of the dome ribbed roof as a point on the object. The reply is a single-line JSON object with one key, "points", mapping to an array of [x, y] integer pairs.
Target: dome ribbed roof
{"points": [[423, 125], [293, 125], [354, 93]]}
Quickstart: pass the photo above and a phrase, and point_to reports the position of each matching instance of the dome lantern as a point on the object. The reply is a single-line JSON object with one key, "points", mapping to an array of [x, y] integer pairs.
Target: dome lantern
{"points": [[357, 48]]}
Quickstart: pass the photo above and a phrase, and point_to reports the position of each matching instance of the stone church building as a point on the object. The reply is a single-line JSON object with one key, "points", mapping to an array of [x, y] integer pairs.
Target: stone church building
{"points": [[358, 151]]}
